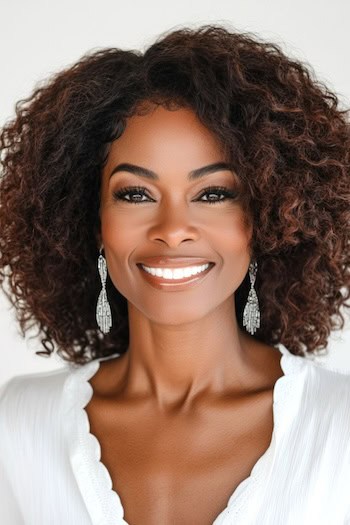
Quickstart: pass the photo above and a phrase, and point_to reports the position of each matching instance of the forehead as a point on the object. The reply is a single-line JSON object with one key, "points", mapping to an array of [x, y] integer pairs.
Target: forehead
{"points": [[163, 135]]}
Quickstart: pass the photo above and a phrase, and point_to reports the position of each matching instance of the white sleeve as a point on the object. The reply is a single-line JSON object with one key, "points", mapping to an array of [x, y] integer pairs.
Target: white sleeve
{"points": [[10, 513]]}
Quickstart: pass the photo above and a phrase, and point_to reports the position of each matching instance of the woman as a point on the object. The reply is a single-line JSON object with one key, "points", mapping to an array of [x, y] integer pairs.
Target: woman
{"points": [[176, 223]]}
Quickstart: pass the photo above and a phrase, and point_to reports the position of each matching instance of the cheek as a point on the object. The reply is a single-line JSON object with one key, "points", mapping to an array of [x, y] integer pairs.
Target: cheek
{"points": [[118, 231], [119, 242], [235, 250], [234, 235]]}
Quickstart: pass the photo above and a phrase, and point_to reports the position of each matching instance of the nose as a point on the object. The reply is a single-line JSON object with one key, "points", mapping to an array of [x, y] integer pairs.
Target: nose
{"points": [[173, 226]]}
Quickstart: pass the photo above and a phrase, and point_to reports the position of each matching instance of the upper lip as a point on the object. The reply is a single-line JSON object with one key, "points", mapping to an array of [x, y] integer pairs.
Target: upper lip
{"points": [[173, 262]]}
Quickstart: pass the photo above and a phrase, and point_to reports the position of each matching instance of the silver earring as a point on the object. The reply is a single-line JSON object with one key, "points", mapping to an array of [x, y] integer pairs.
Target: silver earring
{"points": [[103, 309], [251, 314]]}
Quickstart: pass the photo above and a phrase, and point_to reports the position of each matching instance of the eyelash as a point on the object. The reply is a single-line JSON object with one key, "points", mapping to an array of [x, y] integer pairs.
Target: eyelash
{"points": [[119, 195]]}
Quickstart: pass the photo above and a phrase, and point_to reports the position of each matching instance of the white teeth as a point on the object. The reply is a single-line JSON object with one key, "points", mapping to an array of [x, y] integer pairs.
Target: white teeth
{"points": [[176, 273]]}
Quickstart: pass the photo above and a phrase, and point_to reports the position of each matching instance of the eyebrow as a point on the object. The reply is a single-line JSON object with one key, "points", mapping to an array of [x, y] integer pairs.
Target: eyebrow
{"points": [[149, 174]]}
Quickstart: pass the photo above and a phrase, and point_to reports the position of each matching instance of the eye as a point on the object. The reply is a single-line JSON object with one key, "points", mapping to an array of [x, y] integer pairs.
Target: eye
{"points": [[134, 194], [138, 191], [218, 190]]}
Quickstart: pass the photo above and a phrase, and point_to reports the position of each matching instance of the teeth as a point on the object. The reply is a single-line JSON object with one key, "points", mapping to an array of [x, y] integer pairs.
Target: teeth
{"points": [[176, 273]]}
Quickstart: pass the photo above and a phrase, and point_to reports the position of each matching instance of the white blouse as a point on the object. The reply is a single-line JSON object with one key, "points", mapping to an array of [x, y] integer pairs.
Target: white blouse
{"points": [[51, 471]]}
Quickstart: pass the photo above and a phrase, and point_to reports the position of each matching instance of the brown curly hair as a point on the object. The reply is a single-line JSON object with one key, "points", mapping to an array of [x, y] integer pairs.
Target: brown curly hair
{"points": [[286, 137]]}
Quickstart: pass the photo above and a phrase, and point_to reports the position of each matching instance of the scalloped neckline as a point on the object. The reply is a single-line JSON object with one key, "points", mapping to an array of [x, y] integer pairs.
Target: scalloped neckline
{"points": [[103, 503]]}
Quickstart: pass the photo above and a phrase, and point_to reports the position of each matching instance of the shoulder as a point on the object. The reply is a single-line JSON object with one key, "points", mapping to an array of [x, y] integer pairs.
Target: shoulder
{"points": [[329, 382], [30, 401], [325, 402], [325, 427], [318, 396], [25, 388], [314, 422], [318, 377]]}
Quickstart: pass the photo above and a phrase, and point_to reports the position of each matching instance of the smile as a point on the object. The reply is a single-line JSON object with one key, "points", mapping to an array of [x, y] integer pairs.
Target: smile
{"points": [[174, 277], [175, 273]]}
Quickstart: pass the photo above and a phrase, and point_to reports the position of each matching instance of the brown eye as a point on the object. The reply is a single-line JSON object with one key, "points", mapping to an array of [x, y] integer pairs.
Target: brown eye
{"points": [[218, 191], [133, 191]]}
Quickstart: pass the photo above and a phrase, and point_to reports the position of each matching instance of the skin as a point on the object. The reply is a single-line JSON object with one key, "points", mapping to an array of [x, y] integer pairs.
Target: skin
{"points": [[185, 414]]}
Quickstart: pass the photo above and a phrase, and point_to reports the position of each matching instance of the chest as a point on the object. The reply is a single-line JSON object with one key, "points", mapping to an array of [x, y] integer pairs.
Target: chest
{"points": [[173, 470]]}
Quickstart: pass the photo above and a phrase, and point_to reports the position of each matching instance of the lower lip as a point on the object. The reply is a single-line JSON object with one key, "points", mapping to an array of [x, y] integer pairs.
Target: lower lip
{"points": [[174, 284]]}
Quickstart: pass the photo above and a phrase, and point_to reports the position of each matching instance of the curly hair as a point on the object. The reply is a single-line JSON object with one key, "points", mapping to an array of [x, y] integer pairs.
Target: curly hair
{"points": [[283, 131]]}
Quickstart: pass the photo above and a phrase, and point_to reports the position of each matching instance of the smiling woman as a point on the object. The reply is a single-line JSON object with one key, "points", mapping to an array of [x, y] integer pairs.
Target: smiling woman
{"points": [[173, 216], [176, 224]]}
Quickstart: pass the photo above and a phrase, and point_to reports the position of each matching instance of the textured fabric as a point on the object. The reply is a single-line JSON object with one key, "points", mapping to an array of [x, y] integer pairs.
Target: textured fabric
{"points": [[51, 473]]}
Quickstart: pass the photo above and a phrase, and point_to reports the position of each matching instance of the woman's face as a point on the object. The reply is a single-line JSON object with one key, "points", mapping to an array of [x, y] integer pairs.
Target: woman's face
{"points": [[172, 215]]}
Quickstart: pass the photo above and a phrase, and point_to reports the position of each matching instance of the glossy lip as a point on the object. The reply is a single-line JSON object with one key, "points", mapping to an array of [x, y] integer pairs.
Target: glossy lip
{"points": [[170, 284]]}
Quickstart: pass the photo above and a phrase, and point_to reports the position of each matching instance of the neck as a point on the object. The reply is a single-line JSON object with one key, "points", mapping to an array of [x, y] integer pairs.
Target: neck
{"points": [[178, 364]]}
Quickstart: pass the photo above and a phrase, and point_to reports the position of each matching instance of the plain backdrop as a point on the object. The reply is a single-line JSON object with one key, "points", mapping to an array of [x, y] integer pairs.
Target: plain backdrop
{"points": [[38, 38]]}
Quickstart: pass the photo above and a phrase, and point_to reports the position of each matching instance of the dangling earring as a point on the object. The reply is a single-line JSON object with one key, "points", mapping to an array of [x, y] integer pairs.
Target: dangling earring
{"points": [[103, 309], [251, 314]]}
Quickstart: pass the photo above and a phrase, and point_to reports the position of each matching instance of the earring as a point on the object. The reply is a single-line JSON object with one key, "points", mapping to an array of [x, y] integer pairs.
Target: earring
{"points": [[251, 314], [103, 309]]}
